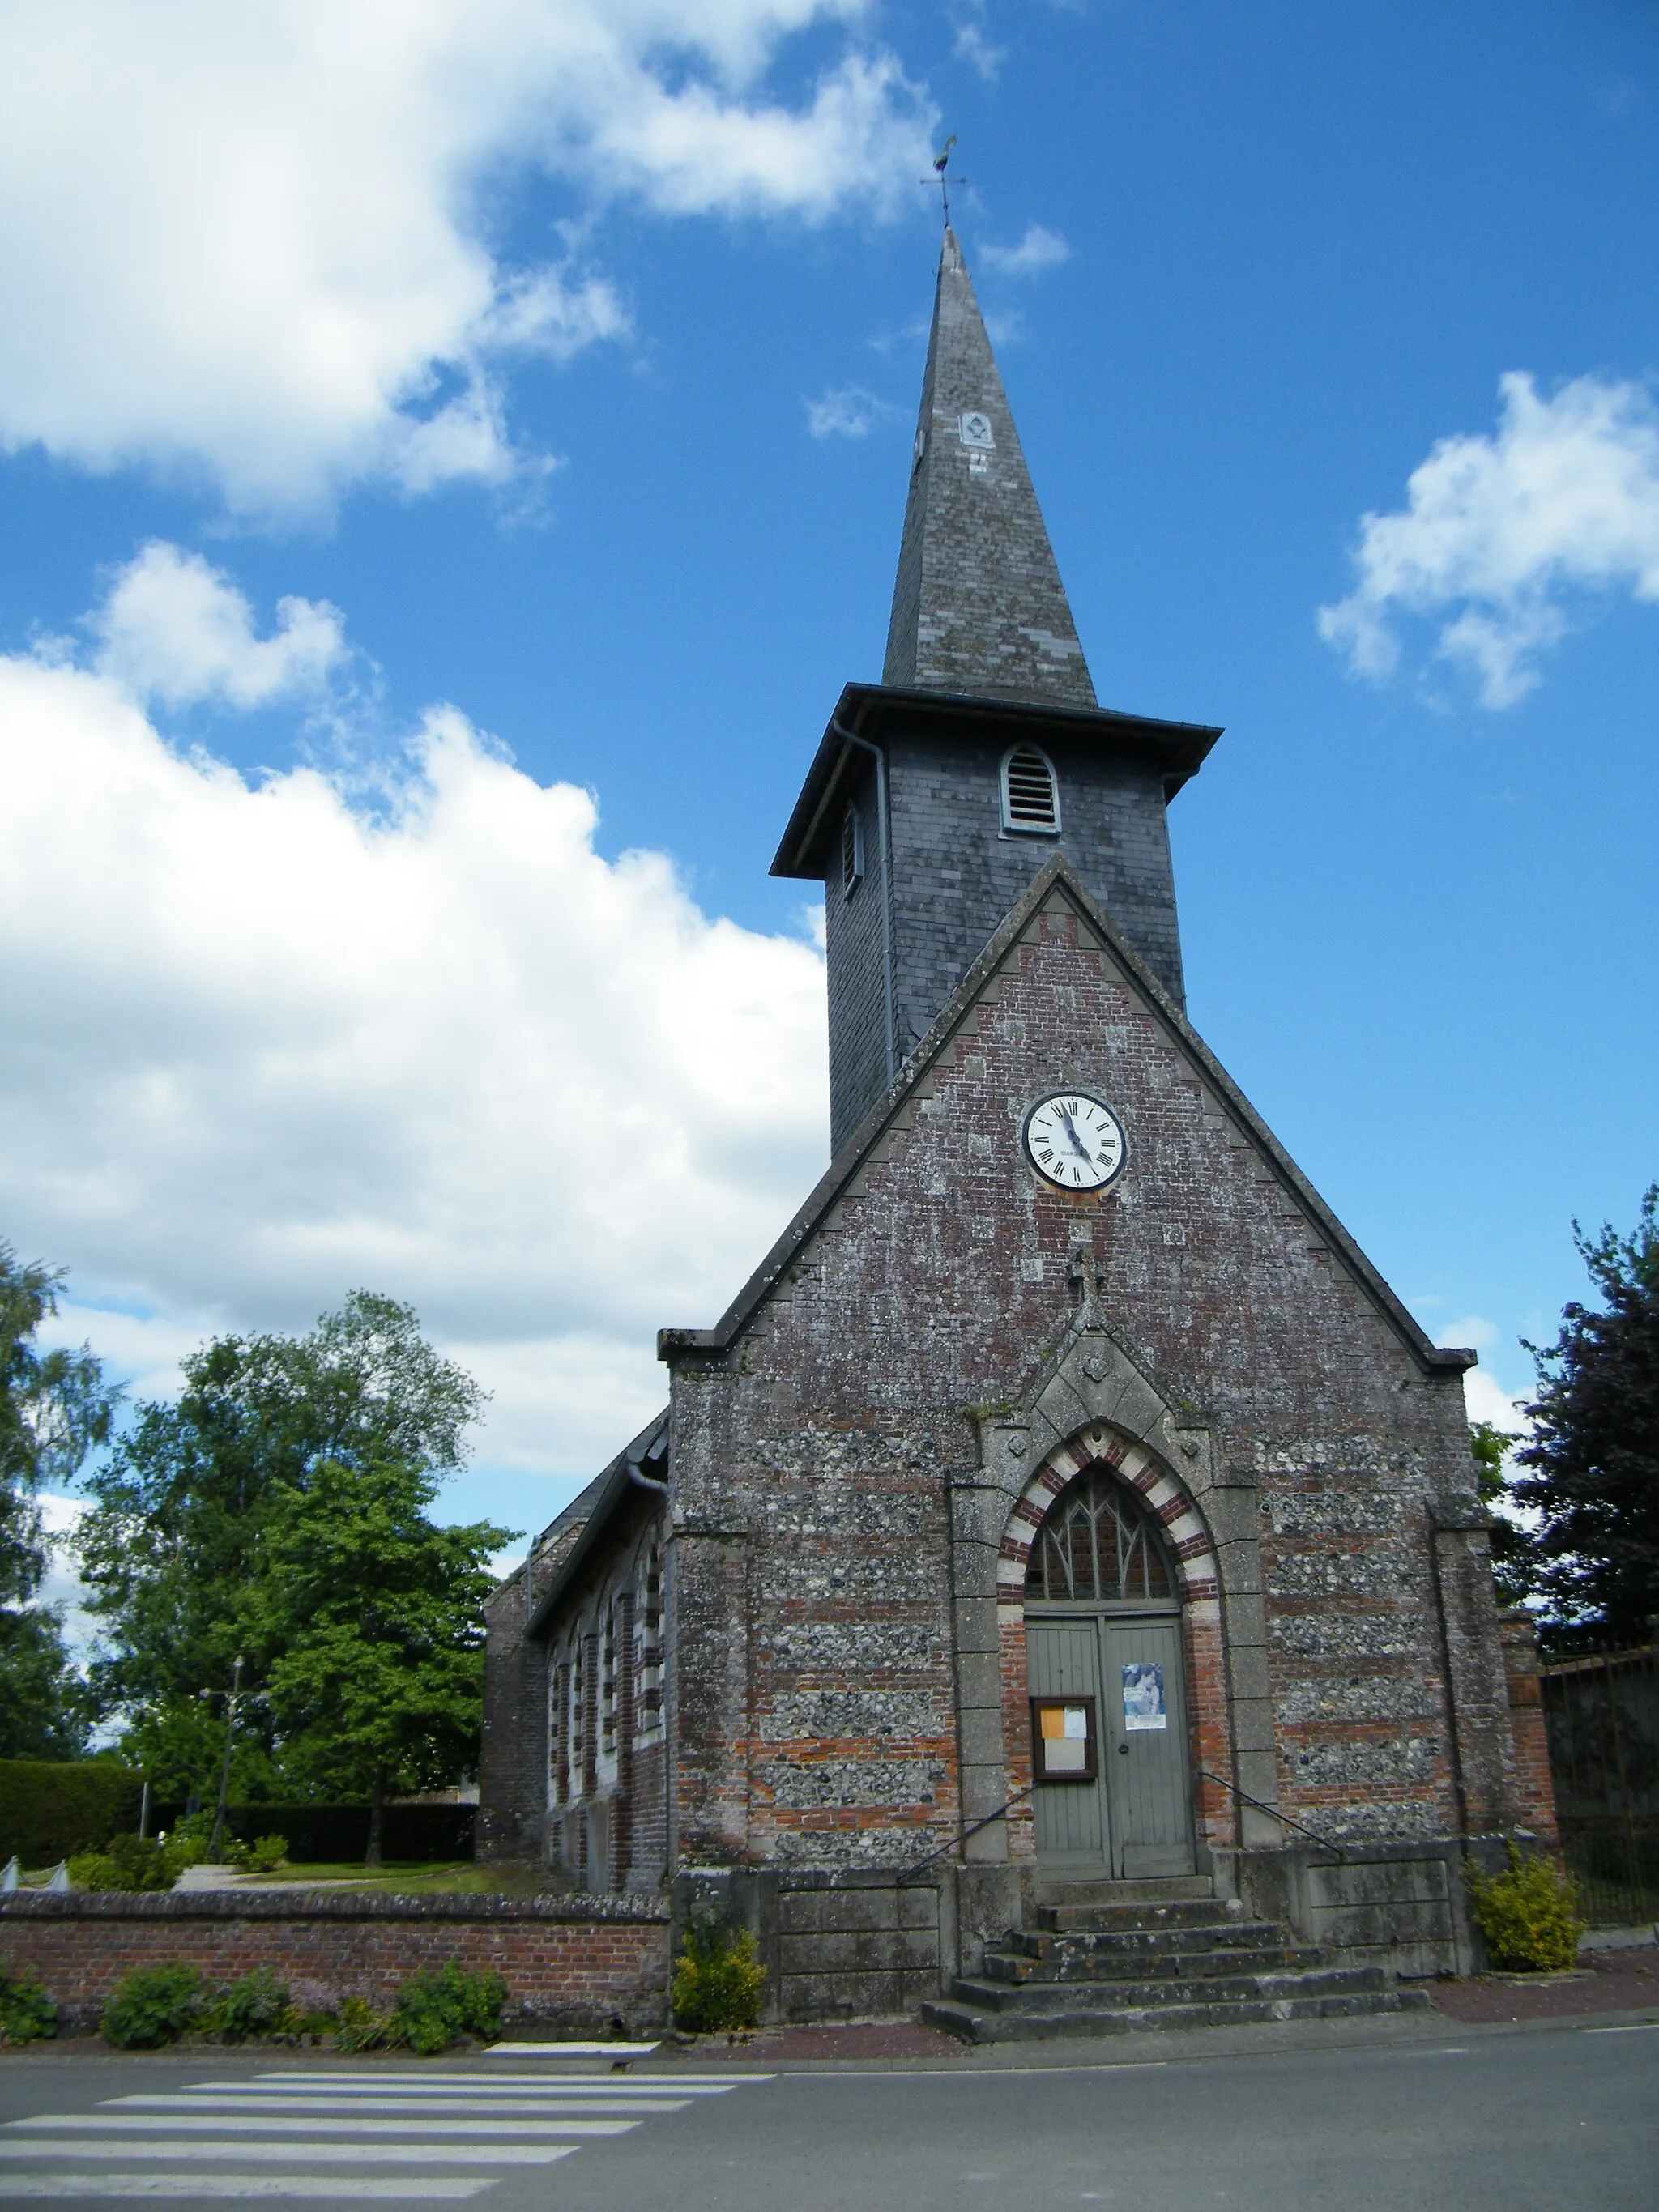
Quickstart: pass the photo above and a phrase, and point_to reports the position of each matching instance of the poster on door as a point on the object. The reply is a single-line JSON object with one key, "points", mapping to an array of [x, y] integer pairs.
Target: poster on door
{"points": [[1143, 1696]]}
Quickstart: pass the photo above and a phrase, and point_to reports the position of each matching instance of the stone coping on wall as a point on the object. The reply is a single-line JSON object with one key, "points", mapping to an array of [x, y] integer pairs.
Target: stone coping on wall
{"points": [[793, 1878], [323, 1905]]}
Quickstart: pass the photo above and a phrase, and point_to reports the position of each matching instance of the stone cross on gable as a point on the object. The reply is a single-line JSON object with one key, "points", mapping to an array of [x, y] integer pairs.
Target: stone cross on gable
{"points": [[1088, 1276]]}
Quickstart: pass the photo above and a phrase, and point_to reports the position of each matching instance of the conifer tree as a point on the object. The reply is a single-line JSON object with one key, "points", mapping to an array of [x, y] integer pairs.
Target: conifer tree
{"points": [[1592, 1466]]}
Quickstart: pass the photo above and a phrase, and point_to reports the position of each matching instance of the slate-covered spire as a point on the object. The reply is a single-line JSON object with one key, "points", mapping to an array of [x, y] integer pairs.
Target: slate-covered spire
{"points": [[979, 606]]}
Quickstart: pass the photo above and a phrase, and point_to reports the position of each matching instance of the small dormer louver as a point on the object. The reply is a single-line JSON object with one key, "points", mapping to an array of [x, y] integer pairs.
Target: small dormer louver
{"points": [[852, 851], [1030, 795]]}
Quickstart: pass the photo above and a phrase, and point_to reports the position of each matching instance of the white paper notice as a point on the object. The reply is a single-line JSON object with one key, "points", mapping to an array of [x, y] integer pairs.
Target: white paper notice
{"points": [[1143, 1696]]}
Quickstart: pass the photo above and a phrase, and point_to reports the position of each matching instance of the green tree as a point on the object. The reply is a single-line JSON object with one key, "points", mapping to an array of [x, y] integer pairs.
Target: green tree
{"points": [[46, 1708], [175, 1549], [1592, 1464], [180, 1745], [377, 1620], [1514, 1564], [54, 1407]]}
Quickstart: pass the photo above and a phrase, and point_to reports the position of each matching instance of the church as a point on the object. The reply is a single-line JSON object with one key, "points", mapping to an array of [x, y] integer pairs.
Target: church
{"points": [[1066, 1520]]}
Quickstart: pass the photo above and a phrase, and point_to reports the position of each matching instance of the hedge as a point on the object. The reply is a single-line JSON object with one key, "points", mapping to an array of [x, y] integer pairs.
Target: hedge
{"points": [[318, 1834], [51, 1808]]}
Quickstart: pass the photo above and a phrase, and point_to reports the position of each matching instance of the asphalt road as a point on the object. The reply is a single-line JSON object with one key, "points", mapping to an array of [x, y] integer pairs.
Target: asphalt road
{"points": [[1561, 2117]]}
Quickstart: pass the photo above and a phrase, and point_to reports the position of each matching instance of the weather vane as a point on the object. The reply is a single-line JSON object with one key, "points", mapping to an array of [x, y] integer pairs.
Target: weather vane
{"points": [[941, 162]]}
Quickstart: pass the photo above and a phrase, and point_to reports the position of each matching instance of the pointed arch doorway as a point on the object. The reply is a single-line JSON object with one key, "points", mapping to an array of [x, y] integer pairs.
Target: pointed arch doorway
{"points": [[1112, 1792]]}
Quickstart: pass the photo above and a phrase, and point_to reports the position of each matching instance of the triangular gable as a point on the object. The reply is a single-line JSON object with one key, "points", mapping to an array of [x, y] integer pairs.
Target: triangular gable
{"points": [[688, 1345]]}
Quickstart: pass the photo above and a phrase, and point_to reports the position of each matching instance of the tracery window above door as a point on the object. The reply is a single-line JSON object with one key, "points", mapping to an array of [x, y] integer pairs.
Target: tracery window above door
{"points": [[1099, 1543]]}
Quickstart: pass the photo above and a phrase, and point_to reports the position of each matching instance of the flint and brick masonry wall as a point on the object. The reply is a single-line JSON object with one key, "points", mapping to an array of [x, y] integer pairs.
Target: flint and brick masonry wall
{"points": [[1535, 1785], [583, 1964], [1350, 1674]]}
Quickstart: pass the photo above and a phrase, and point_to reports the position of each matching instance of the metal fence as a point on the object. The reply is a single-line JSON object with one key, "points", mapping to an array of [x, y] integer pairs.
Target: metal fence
{"points": [[1603, 1714]]}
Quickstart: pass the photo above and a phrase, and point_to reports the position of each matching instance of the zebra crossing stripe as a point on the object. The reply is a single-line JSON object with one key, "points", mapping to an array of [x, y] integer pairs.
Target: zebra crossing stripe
{"points": [[506, 2116], [344, 2153], [475, 2085], [283, 2124], [36, 2187], [343, 2121]]}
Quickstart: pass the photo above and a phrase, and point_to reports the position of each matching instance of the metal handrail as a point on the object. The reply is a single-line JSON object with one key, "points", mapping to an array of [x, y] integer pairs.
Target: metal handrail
{"points": [[1273, 1813], [905, 1872]]}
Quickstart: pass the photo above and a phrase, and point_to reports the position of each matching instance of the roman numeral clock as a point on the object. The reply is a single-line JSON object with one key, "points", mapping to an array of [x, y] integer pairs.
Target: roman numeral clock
{"points": [[1075, 1142]]}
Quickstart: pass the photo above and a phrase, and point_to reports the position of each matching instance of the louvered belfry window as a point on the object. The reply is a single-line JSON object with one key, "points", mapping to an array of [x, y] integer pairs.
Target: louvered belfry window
{"points": [[1099, 1542], [1031, 794]]}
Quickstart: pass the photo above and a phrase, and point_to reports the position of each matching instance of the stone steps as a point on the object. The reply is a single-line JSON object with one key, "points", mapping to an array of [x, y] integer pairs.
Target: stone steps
{"points": [[983, 1994], [970, 2026], [1026, 1973], [1114, 1959], [1149, 1914], [1158, 1889], [1142, 1942]]}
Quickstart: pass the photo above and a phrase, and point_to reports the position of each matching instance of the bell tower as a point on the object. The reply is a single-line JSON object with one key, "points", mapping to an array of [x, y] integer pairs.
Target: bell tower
{"points": [[936, 795]]}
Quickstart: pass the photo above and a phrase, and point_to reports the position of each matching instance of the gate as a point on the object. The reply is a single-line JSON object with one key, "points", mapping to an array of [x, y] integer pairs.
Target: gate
{"points": [[1601, 1712]]}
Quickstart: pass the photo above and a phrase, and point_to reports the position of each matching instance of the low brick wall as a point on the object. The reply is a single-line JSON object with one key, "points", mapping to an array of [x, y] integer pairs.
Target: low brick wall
{"points": [[583, 1964]]}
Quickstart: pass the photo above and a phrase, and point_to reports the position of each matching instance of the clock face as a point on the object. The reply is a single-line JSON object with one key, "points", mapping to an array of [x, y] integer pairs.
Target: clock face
{"points": [[1075, 1142]]}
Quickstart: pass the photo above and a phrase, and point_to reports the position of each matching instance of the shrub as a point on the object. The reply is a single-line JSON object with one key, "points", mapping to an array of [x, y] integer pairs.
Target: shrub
{"points": [[257, 2004], [361, 2027], [127, 1862], [1526, 1914], [718, 1979], [27, 2013], [51, 1808], [186, 1843], [264, 1856], [437, 2006], [151, 2006]]}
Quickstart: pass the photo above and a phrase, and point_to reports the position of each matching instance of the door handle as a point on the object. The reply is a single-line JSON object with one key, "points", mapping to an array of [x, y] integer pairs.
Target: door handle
{"points": [[1123, 1751]]}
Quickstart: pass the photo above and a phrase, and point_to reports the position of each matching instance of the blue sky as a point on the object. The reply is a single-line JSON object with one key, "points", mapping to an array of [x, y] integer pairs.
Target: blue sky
{"points": [[517, 407]]}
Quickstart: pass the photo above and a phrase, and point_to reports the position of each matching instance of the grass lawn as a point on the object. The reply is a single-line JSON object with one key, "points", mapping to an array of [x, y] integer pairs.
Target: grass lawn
{"points": [[426, 1878]]}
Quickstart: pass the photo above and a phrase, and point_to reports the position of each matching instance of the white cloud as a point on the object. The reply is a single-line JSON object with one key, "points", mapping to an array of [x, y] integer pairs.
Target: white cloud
{"points": [[140, 1350], [174, 628], [848, 411], [973, 47], [261, 1050], [63, 1592], [1472, 1331], [1483, 1395], [1503, 536], [1486, 1400], [253, 243], [1038, 250]]}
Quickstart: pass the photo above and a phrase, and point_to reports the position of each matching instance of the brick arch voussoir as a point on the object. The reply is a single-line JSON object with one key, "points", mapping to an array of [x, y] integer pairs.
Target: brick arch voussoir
{"points": [[1164, 1493]]}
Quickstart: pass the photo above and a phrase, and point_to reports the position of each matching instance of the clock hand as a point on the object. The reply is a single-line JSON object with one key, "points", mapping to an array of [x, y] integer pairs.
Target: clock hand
{"points": [[1077, 1142]]}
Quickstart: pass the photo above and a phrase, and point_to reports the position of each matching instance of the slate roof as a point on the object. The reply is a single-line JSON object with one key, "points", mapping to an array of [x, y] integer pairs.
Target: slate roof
{"points": [[978, 607]]}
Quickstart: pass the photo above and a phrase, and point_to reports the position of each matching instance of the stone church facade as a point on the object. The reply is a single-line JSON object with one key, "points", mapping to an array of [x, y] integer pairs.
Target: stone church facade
{"points": [[1065, 1507]]}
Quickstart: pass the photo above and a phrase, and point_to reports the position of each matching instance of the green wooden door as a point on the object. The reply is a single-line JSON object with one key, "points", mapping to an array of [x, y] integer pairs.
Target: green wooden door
{"points": [[1133, 1818], [1062, 1660], [1144, 1751]]}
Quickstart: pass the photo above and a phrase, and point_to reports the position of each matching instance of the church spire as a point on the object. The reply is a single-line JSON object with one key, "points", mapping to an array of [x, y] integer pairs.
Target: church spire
{"points": [[978, 607]]}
